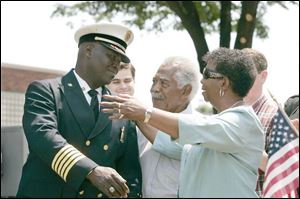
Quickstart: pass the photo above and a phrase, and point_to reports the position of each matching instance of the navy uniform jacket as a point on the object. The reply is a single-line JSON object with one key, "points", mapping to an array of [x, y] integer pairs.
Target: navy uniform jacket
{"points": [[65, 143]]}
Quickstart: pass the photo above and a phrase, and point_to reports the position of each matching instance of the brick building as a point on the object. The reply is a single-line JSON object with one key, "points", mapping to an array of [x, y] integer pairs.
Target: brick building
{"points": [[14, 150], [14, 81]]}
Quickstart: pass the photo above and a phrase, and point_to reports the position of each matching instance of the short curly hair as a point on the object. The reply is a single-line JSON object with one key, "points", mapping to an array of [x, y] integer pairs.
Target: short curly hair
{"points": [[237, 66]]}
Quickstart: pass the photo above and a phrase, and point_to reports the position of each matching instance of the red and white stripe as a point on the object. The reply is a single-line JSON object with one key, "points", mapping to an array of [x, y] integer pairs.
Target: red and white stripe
{"points": [[282, 172]]}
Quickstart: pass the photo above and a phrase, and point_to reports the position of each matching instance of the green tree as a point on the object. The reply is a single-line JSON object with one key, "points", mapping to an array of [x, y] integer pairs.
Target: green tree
{"points": [[197, 17]]}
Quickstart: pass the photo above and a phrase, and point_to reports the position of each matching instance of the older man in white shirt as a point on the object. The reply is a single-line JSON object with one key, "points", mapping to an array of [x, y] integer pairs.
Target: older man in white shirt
{"points": [[174, 86]]}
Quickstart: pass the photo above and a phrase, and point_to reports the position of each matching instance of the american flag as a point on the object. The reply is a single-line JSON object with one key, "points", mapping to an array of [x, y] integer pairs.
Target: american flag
{"points": [[282, 171]]}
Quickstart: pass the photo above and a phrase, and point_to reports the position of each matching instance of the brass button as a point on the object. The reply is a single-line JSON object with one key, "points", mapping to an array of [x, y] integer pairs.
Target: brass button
{"points": [[81, 192], [99, 195], [105, 147], [87, 143]]}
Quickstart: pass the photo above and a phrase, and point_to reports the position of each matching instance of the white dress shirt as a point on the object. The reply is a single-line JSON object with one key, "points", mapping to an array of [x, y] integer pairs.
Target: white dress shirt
{"points": [[85, 89], [160, 172]]}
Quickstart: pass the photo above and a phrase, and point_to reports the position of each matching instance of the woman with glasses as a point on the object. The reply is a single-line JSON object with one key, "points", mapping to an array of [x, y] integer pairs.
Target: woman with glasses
{"points": [[222, 152]]}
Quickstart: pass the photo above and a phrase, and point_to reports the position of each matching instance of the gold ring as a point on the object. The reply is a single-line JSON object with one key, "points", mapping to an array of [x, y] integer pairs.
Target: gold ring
{"points": [[111, 189], [121, 116]]}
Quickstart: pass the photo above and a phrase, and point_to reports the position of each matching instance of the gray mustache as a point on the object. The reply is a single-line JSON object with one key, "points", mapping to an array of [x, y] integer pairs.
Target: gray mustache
{"points": [[157, 96]]}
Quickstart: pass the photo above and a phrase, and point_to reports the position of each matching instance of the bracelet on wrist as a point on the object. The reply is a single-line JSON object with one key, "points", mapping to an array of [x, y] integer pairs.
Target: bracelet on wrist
{"points": [[148, 114]]}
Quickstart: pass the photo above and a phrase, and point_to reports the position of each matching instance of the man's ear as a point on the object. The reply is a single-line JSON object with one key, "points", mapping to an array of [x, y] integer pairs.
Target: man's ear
{"points": [[88, 49], [187, 89], [263, 75]]}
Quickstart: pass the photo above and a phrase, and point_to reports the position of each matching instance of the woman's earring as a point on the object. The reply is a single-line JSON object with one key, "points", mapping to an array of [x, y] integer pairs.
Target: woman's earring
{"points": [[221, 93]]}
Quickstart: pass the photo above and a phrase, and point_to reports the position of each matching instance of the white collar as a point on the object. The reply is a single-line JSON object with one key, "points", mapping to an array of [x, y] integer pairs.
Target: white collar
{"points": [[84, 86]]}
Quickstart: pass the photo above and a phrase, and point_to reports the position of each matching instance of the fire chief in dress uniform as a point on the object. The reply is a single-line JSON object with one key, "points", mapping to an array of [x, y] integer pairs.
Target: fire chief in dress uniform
{"points": [[74, 149]]}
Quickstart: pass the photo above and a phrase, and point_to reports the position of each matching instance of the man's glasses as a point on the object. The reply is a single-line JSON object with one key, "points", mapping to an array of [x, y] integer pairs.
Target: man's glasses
{"points": [[210, 74]]}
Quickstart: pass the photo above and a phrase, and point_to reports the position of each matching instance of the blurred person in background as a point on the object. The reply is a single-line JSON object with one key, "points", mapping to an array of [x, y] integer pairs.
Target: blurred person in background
{"points": [[291, 107], [264, 106], [124, 81]]}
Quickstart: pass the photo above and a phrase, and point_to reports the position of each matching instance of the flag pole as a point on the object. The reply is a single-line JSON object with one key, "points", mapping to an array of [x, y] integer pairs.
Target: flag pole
{"points": [[283, 112]]}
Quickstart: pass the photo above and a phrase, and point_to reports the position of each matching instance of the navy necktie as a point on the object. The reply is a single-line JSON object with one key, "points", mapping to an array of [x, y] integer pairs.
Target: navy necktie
{"points": [[94, 103]]}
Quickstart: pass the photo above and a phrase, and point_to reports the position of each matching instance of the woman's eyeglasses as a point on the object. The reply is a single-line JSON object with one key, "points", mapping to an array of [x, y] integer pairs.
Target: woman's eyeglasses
{"points": [[210, 74]]}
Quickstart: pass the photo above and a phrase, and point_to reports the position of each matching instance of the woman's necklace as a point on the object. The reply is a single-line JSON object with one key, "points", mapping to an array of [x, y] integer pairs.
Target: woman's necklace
{"points": [[236, 103]]}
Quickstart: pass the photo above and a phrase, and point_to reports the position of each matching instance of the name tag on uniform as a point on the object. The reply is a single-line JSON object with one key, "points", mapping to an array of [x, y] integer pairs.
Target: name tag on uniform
{"points": [[122, 134]]}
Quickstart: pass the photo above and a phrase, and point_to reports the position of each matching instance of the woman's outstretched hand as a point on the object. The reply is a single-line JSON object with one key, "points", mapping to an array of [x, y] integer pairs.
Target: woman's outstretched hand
{"points": [[123, 106]]}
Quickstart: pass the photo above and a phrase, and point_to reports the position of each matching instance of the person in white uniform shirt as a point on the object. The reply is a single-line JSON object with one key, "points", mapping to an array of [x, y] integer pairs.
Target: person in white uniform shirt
{"points": [[174, 86]]}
